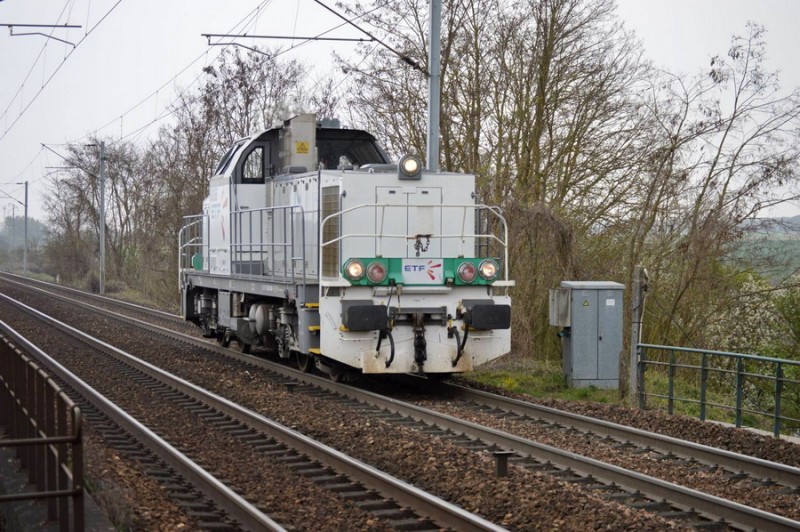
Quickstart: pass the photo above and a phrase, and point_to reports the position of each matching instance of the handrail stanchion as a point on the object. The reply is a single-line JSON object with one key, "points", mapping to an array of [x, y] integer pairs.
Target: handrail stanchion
{"points": [[671, 383], [739, 390], [642, 358], [776, 427]]}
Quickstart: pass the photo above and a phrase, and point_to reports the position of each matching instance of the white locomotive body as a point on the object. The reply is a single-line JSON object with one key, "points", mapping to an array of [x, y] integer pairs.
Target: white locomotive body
{"points": [[357, 265]]}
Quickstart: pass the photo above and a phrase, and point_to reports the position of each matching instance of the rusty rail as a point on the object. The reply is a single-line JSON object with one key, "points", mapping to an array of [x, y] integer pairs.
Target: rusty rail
{"points": [[44, 426]]}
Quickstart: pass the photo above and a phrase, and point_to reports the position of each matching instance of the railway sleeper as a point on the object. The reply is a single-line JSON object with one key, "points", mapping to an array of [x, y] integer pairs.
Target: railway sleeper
{"points": [[329, 480], [413, 525]]}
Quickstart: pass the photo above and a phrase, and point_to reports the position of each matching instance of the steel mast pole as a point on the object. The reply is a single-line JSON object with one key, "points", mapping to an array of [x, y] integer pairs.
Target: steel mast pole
{"points": [[13, 232], [25, 247], [102, 218], [434, 85]]}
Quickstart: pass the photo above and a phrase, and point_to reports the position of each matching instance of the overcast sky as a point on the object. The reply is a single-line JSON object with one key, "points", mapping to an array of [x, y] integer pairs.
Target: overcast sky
{"points": [[132, 52]]}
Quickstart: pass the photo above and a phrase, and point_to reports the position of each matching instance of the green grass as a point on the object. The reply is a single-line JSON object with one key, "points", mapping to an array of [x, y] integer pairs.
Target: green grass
{"points": [[541, 380], [546, 380]]}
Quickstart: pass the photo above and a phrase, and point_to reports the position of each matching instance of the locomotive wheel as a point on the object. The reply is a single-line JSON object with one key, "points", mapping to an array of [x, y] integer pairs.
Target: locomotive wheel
{"points": [[244, 347], [305, 362], [224, 339], [343, 374]]}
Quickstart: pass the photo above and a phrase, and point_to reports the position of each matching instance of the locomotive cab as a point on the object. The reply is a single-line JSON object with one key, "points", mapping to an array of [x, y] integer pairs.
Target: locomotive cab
{"points": [[313, 244]]}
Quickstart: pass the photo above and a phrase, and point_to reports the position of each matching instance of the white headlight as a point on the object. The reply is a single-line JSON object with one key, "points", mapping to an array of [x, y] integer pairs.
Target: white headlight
{"points": [[410, 168], [354, 269], [488, 269]]}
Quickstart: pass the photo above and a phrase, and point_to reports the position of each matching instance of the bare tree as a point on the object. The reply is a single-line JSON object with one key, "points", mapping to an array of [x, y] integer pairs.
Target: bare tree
{"points": [[726, 143]]}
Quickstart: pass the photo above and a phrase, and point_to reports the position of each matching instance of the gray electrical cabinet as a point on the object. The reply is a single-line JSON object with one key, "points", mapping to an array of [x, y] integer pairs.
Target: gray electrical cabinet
{"points": [[589, 314]]}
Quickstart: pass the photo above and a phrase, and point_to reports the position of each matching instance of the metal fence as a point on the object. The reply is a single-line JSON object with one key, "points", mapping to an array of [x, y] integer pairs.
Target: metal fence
{"points": [[761, 391], [43, 425]]}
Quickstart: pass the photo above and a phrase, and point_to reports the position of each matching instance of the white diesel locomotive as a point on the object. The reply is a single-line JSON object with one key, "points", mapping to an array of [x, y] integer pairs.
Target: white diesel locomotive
{"points": [[312, 244]]}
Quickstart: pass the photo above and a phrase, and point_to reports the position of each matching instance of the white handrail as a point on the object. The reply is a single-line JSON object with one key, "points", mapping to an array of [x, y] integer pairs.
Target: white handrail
{"points": [[492, 237]]}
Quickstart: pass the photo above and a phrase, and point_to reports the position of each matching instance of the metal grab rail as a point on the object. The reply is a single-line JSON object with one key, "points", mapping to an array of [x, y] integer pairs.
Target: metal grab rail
{"points": [[280, 234], [190, 239], [34, 411], [741, 369], [270, 249], [463, 235]]}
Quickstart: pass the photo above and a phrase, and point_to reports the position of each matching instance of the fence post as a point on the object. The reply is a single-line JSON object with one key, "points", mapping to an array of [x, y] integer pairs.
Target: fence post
{"points": [[776, 427], [671, 383], [78, 516], [703, 385], [51, 398], [642, 356], [61, 477], [739, 390]]}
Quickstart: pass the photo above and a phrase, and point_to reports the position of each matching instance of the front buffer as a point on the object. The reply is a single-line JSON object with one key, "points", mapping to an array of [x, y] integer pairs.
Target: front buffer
{"points": [[396, 329]]}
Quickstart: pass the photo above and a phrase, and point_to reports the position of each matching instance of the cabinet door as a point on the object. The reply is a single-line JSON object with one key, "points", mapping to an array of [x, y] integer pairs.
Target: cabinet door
{"points": [[609, 333], [584, 334]]}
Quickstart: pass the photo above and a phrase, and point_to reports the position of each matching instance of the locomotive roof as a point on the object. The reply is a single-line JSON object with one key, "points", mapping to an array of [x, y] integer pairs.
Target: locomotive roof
{"points": [[325, 133]]}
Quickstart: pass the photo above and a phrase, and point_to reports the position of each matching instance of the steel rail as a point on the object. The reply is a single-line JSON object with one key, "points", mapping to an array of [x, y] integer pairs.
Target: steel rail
{"points": [[714, 507], [442, 512]]}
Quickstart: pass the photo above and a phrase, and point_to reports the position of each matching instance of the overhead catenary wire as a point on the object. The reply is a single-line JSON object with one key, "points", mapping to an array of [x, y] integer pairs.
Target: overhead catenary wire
{"points": [[58, 68], [171, 108], [30, 71], [403, 57], [246, 20]]}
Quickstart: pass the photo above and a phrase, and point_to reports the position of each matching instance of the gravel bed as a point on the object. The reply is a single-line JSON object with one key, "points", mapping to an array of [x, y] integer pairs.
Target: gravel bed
{"points": [[715, 481], [131, 500]]}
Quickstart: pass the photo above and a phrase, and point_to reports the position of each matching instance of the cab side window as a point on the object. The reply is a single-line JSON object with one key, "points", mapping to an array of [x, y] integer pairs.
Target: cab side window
{"points": [[253, 166]]}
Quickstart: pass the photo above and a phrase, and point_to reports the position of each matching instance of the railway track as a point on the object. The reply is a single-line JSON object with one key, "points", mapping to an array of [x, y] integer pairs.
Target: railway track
{"points": [[681, 502], [321, 464], [109, 303], [203, 495], [552, 419]]}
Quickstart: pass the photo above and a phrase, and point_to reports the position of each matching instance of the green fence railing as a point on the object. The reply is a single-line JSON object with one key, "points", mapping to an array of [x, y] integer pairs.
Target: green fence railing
{"points": [[756, 391]]}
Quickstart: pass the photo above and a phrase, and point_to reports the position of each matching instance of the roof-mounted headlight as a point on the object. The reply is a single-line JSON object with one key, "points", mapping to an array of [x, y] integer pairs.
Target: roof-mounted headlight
{"points": [[410, 168]]}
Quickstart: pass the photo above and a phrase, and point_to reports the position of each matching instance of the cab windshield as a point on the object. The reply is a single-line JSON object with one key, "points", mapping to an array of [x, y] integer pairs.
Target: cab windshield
{"points": [[225, 162]]}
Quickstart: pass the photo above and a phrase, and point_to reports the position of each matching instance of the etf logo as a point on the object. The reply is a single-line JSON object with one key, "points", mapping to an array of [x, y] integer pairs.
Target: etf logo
{"points": [[422, 270]]}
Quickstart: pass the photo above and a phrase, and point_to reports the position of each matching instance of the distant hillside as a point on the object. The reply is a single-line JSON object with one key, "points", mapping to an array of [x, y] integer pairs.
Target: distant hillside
{"points": [[775, 226], [771, 247]]}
